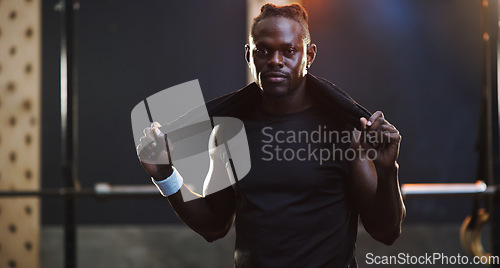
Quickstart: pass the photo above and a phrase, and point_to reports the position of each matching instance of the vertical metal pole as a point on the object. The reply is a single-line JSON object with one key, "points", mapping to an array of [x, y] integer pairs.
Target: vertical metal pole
{"points": [[494, 127], [69, 126], [492, 51]]}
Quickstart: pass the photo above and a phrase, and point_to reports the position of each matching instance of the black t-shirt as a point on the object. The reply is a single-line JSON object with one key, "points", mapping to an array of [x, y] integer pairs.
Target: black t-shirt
{"points": [[293, 207]]}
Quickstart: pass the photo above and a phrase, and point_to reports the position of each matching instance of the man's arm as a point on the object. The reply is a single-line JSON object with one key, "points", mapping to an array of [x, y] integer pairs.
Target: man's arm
{"points": [[211, 216], [374, 178]]}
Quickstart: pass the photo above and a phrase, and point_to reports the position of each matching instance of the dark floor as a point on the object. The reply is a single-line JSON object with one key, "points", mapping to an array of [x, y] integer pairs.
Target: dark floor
{"points": [[176, 246]]}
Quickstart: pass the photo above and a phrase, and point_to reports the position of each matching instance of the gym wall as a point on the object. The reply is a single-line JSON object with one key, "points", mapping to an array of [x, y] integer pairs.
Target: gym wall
{"points": [[419, 61], [20, 123]]}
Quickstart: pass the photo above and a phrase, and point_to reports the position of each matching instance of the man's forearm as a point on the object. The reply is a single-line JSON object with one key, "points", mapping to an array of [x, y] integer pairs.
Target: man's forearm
{"points": [[199, 213], [379, 199], [389, 204]]}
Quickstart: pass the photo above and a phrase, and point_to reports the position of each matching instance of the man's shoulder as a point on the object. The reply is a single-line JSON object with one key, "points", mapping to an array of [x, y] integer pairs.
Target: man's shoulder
{"points": [[233, 103], [335, 101]]}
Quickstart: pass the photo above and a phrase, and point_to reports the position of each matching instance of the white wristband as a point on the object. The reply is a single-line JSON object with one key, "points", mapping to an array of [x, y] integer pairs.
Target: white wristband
{"points": [[170, 185]]}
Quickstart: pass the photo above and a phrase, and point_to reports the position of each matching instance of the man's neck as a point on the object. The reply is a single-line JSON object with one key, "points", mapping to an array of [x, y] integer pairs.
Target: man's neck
{"points": [[291, 103]]}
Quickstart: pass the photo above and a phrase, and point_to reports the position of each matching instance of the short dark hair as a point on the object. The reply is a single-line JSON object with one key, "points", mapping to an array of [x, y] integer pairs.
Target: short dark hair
{"points": [[294, 12]]}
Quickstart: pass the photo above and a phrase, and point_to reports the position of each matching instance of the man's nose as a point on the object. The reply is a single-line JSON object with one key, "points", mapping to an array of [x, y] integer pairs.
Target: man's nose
{"points": [[276, 60]]}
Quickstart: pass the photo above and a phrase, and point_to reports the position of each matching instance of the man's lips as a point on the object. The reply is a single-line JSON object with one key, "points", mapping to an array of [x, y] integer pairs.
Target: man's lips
{"points": [[274, 77]]}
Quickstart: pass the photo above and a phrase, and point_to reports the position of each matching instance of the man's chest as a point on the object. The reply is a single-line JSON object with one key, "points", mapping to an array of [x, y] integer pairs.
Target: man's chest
{"points": [[297, 153]]}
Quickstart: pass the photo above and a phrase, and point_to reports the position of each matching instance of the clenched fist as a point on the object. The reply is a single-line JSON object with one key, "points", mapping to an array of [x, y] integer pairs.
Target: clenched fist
{"points": [[154, 152]]}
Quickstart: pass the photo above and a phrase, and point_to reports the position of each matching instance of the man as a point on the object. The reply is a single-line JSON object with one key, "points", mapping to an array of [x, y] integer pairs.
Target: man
{"points": [[295, 210]]}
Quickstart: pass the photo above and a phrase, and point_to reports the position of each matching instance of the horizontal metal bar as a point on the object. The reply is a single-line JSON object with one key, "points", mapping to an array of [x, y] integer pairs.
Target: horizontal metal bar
{"points": [[447, 189], [100, 190], [59, 192], [105, 190]]}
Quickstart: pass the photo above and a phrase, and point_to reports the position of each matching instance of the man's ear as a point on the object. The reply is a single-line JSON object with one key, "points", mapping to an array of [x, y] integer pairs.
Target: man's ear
{"points": [[311, 54], [247, 53]]}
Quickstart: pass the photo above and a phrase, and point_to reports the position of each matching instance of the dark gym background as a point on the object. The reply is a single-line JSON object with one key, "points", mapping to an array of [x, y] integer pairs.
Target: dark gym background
{"points": [[419, 61]]}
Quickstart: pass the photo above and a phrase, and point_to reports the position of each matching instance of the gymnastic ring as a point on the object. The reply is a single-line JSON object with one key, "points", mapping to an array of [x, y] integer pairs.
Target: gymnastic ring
{"points": [[470, 238]]}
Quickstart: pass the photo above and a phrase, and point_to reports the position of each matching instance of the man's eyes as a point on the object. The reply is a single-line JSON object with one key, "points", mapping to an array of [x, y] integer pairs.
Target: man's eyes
{"points": [[290, 51], [264, 51], [261, 51]]}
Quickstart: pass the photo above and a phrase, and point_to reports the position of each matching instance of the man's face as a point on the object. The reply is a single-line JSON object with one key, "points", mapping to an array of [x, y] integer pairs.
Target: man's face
{"points": [[278, 55]]}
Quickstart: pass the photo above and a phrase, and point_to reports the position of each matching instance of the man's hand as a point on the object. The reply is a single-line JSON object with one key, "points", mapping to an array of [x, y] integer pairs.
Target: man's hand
{"points": [[378, 141], [153, 153]]}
